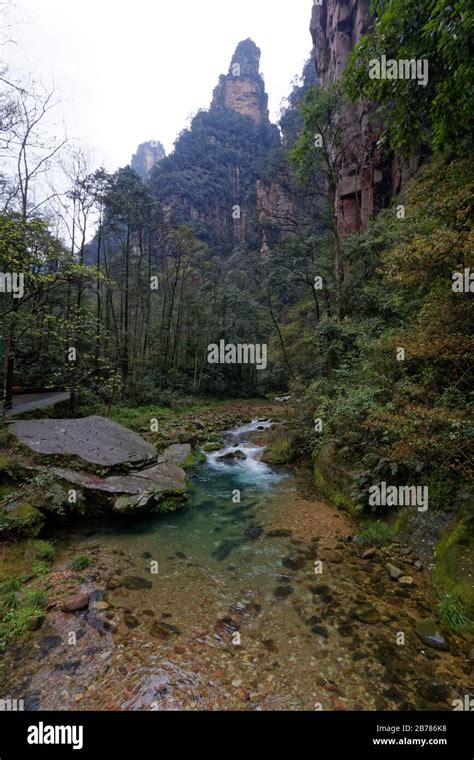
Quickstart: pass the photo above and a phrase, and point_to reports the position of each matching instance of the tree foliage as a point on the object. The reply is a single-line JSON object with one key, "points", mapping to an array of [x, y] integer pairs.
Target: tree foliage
{"points": [[439, 114]]}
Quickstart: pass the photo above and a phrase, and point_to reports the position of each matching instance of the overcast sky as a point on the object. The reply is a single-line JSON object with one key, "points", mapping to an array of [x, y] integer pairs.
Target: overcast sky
{"points": [[134, 70]]}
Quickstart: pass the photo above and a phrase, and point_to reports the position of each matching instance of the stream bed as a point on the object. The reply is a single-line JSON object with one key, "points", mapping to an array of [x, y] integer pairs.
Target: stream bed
{"points": [[225, 606]]}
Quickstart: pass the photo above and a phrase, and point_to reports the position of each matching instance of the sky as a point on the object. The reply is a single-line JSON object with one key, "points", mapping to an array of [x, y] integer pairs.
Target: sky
{"points": [[127, 71]]}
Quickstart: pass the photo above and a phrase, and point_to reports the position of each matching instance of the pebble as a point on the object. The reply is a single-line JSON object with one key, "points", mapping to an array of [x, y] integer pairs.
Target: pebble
{"points": [[34, 622], [75, 603], [369, 554], [394, 572]]}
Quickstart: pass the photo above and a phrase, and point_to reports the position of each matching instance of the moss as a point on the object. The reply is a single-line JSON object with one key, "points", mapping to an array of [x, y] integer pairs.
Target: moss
{"points": [[20, 520], [454, 562], [332, 480], [210, 447], [11, 468], [279, 451], [195, 457], [169, 504], [7, 492]]}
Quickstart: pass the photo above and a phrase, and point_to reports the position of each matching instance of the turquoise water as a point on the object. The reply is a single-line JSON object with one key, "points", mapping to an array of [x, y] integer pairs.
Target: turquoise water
{"points": [[216, 531], [172, 634]]}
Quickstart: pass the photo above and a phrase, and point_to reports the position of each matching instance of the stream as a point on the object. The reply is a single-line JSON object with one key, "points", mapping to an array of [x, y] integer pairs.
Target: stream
{"points": [[220, 607]]}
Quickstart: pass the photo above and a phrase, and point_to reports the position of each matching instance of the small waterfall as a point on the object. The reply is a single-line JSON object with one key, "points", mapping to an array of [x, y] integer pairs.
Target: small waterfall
{"points": [[250, 470]]}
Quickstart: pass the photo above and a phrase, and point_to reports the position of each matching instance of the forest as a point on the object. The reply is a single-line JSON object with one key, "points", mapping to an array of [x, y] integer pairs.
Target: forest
{"points": [[251, 234]]}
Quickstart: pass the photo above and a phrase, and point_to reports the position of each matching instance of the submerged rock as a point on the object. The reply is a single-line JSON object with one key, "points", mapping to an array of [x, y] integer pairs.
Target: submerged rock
{"points": [[232, 456], [366, 613], [131, 621], [279, 533], [430, 635], [293, 563], [224, 549], [135, 583], [320, 630], [253, 532], [282, 592], [164, 631], [434, 691]]}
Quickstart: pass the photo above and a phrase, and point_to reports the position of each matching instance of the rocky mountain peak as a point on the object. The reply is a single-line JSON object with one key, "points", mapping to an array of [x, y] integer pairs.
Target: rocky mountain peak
{"points": [[247, 56], [147, 156], [243, 89]]}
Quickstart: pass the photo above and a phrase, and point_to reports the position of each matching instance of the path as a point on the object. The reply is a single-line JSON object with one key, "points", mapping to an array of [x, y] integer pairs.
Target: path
{"points": [[28, 402]]}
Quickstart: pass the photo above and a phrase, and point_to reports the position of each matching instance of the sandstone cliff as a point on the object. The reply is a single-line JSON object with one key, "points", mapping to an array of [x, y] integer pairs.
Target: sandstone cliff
{"points": [[243, 89], [147, 156], [210, 179], [368, 175]]}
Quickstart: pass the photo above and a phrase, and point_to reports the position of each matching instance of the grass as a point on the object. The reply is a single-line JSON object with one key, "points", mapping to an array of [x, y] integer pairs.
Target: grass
{"points": [[453, 613], [41, 568], [17, 608], [138, 417], [80, 562], [43, 550], [376, 534], [38, 599]]}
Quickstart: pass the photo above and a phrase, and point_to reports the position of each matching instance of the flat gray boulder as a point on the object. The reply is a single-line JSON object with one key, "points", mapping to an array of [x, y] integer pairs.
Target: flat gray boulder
{"points": [[176, 454], [163, 478], [96, 440]]}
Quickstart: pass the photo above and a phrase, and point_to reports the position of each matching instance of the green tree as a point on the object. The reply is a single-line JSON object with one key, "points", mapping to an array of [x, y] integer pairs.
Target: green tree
{"points": [[439, 114]]}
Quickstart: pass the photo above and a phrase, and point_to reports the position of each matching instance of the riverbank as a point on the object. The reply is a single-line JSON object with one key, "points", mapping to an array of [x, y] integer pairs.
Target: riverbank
{"points": [[259, 604]]}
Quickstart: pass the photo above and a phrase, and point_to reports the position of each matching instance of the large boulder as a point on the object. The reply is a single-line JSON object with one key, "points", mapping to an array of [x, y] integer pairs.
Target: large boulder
{"points": [[96, 440], [19, 519], [160, 488], [176, 454]]}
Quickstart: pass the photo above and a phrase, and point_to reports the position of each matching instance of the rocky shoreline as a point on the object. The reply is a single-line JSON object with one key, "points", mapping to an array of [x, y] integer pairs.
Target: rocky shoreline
{"points": [[114, 636]]}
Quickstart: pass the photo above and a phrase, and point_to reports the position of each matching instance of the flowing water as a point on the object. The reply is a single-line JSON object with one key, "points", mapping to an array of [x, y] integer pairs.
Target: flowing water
{"points": [[220, 606]]}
